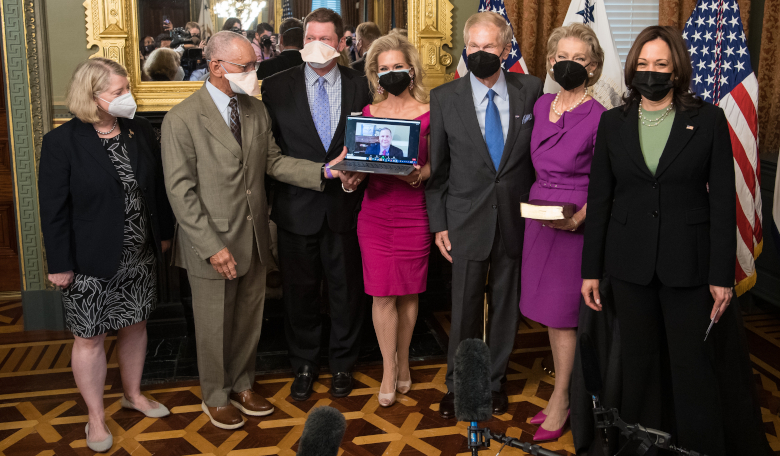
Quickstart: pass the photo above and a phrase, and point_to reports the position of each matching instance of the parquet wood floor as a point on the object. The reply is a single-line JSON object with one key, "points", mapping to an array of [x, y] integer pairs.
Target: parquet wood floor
{"points": [[42, 414]]}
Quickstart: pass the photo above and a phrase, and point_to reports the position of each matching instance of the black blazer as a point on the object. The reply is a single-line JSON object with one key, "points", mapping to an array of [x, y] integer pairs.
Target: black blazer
{"points": [[299, 210], [466, 195], [82, 199], [394, 152], [679, 223], [284, 61]]}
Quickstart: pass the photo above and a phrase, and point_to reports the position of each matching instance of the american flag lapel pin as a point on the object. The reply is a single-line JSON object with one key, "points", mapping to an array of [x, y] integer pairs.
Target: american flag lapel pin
{"points": [[689, 127]]}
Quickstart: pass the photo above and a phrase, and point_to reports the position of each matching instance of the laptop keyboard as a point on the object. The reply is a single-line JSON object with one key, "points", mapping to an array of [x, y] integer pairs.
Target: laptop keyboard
{"points": [[363, 165]]}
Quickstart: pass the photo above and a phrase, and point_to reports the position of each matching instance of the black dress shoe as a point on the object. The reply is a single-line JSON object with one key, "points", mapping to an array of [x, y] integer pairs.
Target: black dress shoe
{"points": [[302, 385], [447, 406], [341, 385], [500, 402]]}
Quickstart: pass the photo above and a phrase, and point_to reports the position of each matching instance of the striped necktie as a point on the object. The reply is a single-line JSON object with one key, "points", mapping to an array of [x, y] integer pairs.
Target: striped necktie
{"points": [[235, 119]]}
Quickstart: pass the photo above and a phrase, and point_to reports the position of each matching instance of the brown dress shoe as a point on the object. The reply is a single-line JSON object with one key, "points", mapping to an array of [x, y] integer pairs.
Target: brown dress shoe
{"points": [[226, 417], [251, 403]]}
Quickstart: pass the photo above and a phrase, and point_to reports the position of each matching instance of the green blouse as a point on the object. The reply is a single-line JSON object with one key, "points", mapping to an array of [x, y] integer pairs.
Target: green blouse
{"points": [[653, 139]]}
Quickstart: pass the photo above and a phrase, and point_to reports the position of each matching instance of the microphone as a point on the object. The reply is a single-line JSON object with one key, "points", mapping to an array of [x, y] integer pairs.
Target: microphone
{"points": [[591, 373], [322, 432], [473, 400]]}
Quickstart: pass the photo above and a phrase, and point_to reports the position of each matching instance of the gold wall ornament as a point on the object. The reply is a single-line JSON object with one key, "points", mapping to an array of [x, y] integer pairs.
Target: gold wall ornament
{"points": [[112, 26], [430, 28]]}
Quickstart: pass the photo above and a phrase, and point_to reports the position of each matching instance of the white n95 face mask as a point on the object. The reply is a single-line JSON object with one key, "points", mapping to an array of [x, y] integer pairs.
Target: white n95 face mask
{"points": [[318, 54], [243, 83], [122, 106]]}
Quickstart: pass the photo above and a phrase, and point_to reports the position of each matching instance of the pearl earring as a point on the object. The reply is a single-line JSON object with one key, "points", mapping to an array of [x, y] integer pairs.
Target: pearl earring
{"points": [[380, 90], [591, 74]]}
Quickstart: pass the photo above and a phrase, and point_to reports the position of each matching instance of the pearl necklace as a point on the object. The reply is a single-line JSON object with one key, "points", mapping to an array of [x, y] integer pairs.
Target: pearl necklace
{"points": [[109, 131], [654, 122], [555, 104]]}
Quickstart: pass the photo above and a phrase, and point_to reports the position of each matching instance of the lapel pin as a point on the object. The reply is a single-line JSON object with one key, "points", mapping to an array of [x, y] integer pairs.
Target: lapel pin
{"points": [[517, 116], [689, 127], [130, 134]]}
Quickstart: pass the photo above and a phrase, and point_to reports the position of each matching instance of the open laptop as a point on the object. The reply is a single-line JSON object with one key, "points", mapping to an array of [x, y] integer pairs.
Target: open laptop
{"points": [[381, 146]]}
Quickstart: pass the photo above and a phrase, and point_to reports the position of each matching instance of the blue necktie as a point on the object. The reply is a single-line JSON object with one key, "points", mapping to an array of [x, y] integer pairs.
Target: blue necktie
{"points": [[321, 113], [494, 134]]}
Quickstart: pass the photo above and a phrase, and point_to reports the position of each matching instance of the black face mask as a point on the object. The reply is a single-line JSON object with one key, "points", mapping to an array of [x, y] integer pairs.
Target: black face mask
{"points": [[652, 85], [395, 82], [349, 41], [483, 64], [569, 74], [149, 48]]}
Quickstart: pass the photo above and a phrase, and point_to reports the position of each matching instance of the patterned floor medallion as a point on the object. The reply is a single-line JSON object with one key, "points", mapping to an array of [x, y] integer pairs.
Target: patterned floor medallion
{"points": [[41, 413]]}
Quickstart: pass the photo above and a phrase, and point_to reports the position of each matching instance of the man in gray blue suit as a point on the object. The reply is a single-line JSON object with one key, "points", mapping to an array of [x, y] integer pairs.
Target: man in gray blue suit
{"points": [[480, 171]]}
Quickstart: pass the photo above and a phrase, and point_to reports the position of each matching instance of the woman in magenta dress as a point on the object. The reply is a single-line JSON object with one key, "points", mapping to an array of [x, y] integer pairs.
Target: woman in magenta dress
{"points": [[393, 224], [562, 144]]}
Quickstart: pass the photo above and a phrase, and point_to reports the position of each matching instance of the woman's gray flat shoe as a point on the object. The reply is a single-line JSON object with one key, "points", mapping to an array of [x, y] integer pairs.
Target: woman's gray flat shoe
{"points": [[102, 446], [157, 412]]}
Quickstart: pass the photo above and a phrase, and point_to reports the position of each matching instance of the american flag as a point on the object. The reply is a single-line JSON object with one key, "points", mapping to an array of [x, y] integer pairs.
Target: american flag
{"points": [[722, 75], [514, 62]]}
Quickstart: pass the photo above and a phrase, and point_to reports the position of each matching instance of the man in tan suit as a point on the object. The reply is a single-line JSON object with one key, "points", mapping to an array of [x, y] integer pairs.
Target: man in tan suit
{"points": [[217, 147]]}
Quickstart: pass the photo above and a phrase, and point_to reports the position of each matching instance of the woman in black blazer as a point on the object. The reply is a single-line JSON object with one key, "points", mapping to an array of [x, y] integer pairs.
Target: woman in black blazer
{"points": [[106, 222], [661, 224]]}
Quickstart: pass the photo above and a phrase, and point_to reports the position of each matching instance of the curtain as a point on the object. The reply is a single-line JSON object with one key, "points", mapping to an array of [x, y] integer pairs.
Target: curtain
{"points": [[349, 13], [677, 12], [300, 8], [533, 21], [401, 14], [769, 80]]}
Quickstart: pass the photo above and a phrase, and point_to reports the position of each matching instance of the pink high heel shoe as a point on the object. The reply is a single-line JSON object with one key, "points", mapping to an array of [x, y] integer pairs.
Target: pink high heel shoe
{"points": [[538, 418], [544, 435], [386, 399]]}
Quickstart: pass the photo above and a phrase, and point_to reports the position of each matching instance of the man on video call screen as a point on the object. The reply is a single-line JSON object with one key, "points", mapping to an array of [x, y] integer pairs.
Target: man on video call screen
{"points": [[384, 147]]}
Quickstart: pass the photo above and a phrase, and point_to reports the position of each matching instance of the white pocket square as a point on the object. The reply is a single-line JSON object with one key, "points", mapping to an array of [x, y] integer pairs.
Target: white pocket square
{"points": [[527, 118], [359, 113]]}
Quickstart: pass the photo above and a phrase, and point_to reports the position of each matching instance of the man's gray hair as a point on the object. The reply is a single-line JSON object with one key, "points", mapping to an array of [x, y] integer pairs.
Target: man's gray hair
{"points": [[385, 128], [219, 43], [489, 17]]}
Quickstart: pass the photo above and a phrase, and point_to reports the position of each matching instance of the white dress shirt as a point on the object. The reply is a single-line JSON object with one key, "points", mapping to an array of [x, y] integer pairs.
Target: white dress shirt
{"points": [[501, 99], [222, 101]]}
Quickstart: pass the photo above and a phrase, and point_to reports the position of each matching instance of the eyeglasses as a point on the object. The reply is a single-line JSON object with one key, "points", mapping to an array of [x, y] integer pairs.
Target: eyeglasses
{"points": [[248, 67]]}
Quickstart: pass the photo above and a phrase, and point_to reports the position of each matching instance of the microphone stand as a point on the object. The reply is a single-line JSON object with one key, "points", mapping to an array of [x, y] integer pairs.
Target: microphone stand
{"points": [[481, 437], [647, 437]]}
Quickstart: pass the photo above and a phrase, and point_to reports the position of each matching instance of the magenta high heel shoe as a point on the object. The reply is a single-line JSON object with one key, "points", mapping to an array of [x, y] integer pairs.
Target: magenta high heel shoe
{"points": [[544, 435], [538, 418]]}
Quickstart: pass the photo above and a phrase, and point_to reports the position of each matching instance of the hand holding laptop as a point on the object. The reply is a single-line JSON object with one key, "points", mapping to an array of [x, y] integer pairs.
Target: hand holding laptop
{"points": [[349, 180]]}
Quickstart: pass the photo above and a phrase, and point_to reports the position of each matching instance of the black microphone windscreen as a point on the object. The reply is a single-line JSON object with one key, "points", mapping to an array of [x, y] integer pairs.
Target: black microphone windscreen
{"points": [[322, 432], [591, 372], [473, 401]]}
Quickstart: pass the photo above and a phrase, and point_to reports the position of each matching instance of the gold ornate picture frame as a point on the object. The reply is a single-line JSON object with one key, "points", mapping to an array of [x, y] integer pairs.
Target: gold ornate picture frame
{"points": [[112, 26]]}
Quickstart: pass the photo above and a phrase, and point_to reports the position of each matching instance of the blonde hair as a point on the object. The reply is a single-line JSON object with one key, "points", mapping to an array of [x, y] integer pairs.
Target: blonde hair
{"points": [[587, 36], [488, 17], [395, 42], [163, 61], [91, 78]]}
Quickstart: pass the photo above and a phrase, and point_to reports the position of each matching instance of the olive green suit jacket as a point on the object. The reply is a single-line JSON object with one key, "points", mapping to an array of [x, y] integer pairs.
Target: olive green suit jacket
{"points": [[216, 187]]}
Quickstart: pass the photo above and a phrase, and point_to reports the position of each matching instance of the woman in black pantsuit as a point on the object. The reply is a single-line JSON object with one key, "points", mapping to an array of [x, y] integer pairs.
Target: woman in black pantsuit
{"points": [[661, 223]]}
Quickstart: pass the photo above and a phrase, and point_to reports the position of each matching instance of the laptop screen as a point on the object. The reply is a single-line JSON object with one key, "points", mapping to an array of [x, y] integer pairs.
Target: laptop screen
{"points": [[385, 140]]}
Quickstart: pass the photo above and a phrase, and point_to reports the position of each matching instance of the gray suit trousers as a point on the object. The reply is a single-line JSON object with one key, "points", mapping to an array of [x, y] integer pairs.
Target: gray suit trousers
{"points": [[228, 319], [468, 295]]}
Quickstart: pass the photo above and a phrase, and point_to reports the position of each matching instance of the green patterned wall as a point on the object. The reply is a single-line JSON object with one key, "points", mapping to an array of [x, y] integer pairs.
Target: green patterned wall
{"points": [[24, 120]]}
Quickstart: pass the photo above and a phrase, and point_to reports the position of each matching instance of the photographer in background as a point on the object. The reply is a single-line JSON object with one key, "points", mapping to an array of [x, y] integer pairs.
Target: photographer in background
{"points": [[366, 33], [290, 45], [233, 24], [186, 38], [164, 40], [349, 39], [263, 43]]}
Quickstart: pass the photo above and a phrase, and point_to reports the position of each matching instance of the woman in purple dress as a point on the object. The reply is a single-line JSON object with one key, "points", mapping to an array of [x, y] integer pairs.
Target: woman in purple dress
{"points": [[393, 223], [562, 145]]}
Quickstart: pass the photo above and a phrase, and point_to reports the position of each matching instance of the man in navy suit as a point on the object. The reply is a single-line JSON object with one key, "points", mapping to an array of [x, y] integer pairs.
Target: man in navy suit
{"points": [[384, 147]]}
